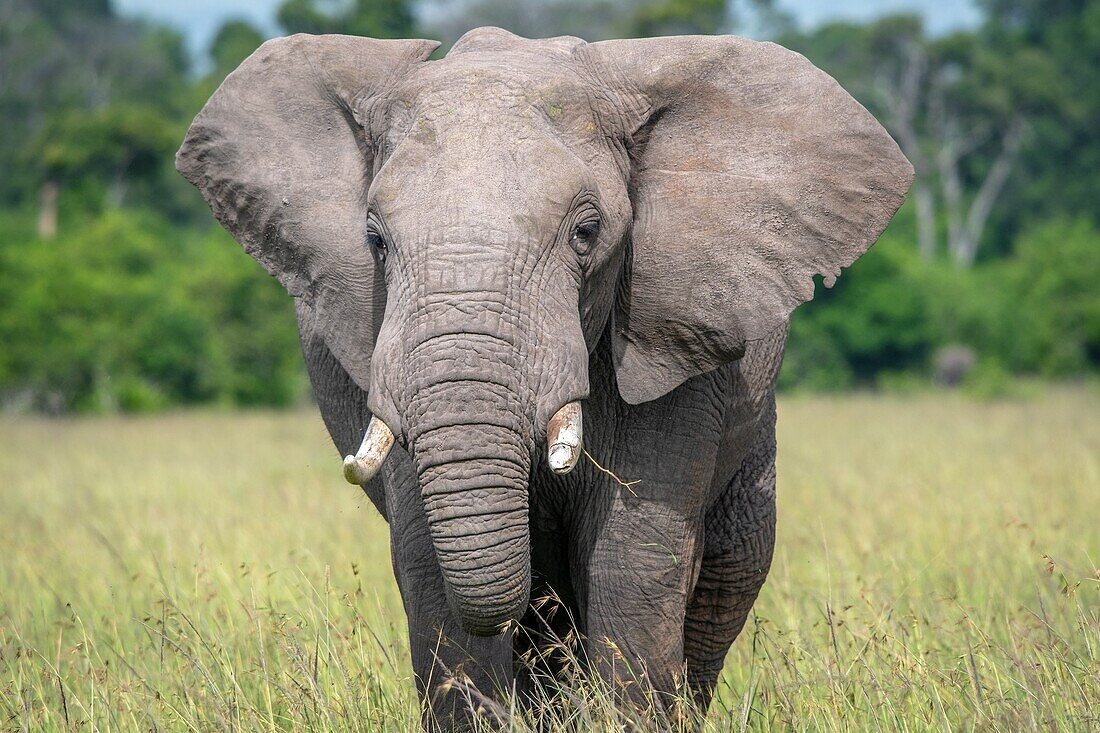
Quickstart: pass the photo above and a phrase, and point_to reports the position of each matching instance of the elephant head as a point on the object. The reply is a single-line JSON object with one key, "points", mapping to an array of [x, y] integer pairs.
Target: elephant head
{"points": [[464, 230]]}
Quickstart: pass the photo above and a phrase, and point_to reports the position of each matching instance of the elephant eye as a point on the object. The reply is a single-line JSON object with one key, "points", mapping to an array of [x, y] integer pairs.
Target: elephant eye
{"points": [[377, 245], [585, 235]]}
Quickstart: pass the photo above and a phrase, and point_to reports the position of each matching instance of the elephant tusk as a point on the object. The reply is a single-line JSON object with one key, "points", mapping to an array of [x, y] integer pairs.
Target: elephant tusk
{"points": [[565, 438], [377, 441]]}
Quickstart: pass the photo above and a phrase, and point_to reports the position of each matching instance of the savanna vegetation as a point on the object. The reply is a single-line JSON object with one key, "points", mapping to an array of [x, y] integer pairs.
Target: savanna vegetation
{"points": [[118, 292], [937, 568]]}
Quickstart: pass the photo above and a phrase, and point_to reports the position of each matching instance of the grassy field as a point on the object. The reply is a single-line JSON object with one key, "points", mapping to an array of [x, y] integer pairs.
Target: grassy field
{"points": [[936, 568]]}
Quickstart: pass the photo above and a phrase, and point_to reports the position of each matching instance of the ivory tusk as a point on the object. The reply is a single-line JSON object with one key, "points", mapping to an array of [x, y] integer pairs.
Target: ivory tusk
{"points": [[377, 441], [565, 438]]}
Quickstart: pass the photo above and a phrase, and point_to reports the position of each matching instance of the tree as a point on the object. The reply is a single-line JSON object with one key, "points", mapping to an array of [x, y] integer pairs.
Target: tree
{"points": [[592, 20], [115, 147], [232, 44], [374, 18], [959, 108], [1060, 167], [128, 312], [680, 17], [61, 59]]}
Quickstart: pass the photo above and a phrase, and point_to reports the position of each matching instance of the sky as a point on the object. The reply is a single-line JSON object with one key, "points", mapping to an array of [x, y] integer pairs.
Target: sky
{"points": [[200, 19]]}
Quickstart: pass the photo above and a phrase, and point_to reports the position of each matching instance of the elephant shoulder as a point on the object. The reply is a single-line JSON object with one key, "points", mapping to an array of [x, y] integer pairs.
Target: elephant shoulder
{"points": [[750, 399], [759, 367]]}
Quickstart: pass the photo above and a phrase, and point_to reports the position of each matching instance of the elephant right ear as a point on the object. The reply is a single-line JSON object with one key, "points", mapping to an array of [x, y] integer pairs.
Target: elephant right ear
{"points": [[284, 164], [752, 172]]}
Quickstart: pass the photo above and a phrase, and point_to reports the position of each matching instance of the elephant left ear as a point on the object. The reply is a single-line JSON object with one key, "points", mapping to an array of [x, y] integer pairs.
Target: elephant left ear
{"points": [[282, 159], [753, 171]]}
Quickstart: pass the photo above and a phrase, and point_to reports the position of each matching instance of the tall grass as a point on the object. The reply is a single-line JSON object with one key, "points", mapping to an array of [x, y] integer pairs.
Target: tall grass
{"points": [[936, 568]]}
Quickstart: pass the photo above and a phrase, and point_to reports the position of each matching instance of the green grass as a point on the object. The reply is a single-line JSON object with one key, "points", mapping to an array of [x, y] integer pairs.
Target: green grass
{"points": [[936, 568]]}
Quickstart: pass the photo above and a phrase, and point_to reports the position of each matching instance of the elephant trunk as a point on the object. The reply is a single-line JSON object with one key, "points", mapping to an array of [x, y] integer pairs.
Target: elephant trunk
{"points": [[473, 460]]}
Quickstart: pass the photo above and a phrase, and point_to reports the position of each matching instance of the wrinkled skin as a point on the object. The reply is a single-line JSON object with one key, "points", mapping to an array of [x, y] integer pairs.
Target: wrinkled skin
{"points": [[476, 241]]}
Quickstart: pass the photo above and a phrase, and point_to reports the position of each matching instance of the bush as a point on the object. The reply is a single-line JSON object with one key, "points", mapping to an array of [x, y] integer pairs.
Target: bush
{"points": [[1035, 312], [875, 319], [989, 380], [1055, 274], [126, 312]]}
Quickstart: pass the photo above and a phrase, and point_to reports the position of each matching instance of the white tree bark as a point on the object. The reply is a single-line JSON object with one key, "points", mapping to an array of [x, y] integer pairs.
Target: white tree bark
{"points": [[935, 140], [970, 235], [902, 99], [47, 210]]}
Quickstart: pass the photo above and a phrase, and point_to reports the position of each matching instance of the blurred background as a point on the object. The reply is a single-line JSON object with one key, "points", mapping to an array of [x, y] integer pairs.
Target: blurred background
{"points": [[119, 292]]}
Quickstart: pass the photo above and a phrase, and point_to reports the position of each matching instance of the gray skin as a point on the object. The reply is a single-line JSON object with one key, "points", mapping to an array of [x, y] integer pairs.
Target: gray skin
{"points": [[475, 241]]}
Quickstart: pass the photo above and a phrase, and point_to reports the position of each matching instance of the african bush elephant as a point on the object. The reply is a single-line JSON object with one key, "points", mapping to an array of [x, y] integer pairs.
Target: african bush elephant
{"points": [[526, 241]]}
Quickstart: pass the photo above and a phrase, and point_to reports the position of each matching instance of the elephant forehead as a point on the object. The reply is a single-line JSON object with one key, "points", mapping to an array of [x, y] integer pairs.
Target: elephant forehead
{"points": [[491, 136], [455, 181], [492, 90], [473, 135]]}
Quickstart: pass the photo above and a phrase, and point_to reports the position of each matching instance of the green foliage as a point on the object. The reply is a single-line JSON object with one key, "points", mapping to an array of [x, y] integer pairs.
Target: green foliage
{"points": [[125, 145], [680, 17], [1055, 272], [990, 380], [875, 319], [1035, 312], [232, 44], [1024, 300], [376, 18], [1060, 169], [141, 302], [127, 312]]}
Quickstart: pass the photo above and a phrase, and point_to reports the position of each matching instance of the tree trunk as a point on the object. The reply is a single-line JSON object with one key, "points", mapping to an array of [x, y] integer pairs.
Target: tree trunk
{"points": [[982, 206], [47, 210], [926, 220], [901, 103]]}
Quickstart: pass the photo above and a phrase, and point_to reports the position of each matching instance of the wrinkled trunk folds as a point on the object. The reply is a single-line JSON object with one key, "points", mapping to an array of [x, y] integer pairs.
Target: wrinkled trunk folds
{"points": [[470, 443]]}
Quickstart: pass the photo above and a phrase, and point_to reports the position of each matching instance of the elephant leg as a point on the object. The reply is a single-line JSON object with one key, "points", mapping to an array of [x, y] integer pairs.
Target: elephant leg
{"points": [[545, 642], [635, 534], [737, 553], [640, 572], [544, 649], [459, 676]]}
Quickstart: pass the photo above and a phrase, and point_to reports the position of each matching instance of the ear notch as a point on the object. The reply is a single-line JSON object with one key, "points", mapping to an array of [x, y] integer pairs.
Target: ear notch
{"points": [[285, 166], [753, 171]]}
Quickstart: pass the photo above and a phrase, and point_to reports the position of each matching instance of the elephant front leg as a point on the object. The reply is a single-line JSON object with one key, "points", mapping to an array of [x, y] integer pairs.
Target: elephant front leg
{"points": [[459, 676], [640, 572], [737, 553]]}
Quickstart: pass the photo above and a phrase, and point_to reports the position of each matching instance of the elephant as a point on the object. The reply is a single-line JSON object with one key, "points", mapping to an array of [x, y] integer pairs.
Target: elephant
{"points": [[543, 288]]}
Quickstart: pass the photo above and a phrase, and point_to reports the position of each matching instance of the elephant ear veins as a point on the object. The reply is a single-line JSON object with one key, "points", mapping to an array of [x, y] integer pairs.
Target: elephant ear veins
{"points": [[284, 166], [753, 172]]}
